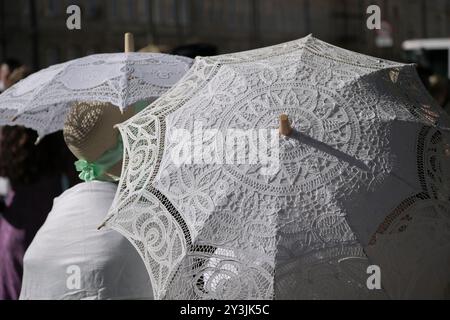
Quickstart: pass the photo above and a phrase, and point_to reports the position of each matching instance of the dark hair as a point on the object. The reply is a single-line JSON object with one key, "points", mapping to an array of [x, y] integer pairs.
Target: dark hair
{"points": [[195, 50], [22, 162]]}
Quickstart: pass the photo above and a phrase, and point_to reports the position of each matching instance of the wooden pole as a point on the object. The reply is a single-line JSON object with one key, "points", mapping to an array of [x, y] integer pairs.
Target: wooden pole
{"points": [[285, 125], [129, 42]]}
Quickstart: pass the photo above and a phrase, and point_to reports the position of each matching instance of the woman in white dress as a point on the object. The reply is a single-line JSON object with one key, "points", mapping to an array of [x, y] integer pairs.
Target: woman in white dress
{"points": [[69, 258]]}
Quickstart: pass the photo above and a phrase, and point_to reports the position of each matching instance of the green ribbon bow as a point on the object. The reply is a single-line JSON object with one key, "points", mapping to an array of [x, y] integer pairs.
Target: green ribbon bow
{"points": [[90, 171]]}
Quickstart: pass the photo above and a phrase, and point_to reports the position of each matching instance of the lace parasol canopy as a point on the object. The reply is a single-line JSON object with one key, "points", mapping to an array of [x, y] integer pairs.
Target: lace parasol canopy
{"points": [[42, 100], [363, 180]]}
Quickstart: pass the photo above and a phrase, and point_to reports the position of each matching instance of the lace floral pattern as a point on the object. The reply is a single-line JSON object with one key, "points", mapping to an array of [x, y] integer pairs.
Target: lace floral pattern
{"points": [[41, 101], [300, 232], [412, 244]]}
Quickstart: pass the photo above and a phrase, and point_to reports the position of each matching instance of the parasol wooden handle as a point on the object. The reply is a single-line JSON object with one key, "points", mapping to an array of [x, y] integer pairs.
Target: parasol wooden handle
{"points": [[285, 125], [129, 42]]}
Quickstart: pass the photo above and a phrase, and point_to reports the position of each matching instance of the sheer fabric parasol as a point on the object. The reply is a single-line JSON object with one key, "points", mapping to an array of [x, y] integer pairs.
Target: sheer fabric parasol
{"points": [[361, 180], [42, 100]]}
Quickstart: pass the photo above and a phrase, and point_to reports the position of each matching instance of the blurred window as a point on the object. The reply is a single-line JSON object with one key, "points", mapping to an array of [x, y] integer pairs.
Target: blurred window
{"points": [[143, 9], [52, 8], [156, 9], [184, 12], [231, 14], [131, 9], [94, 10], [114, 7], [164, 12]]}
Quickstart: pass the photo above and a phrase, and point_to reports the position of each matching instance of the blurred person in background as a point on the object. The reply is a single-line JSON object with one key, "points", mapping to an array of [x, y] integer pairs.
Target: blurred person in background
{"points": [[7, 75], [35, 178], [30, 177]]}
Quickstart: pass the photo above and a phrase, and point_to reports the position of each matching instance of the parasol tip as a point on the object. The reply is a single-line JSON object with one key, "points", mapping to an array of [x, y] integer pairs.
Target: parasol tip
{"points": [[38, 140], [104, 224], [129, 42], [101, 227], [285, 125]]}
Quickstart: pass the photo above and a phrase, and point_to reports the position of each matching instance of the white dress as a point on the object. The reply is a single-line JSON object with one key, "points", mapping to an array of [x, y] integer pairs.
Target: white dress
{"points": [[69, 259]]}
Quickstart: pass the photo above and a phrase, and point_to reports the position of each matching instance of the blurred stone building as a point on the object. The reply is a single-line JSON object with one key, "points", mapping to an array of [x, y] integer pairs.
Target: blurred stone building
{"points": [[35, 30]]}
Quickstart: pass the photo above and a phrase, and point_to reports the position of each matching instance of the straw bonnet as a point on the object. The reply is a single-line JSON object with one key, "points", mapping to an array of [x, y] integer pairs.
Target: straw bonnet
{"points": [[90, 135]]}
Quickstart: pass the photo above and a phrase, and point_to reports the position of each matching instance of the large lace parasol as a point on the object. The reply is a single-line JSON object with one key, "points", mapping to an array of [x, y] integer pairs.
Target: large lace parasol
{"points": [[362, 180], [42, 100]]}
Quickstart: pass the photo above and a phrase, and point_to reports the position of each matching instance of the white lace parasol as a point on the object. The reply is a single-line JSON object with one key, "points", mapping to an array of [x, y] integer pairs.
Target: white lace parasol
{"points": [[41, 101], [362, 180]]}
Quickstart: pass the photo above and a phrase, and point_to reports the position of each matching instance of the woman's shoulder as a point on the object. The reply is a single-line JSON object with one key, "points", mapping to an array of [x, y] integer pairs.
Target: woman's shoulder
{"points": [[94, 198], [89, 189]]}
